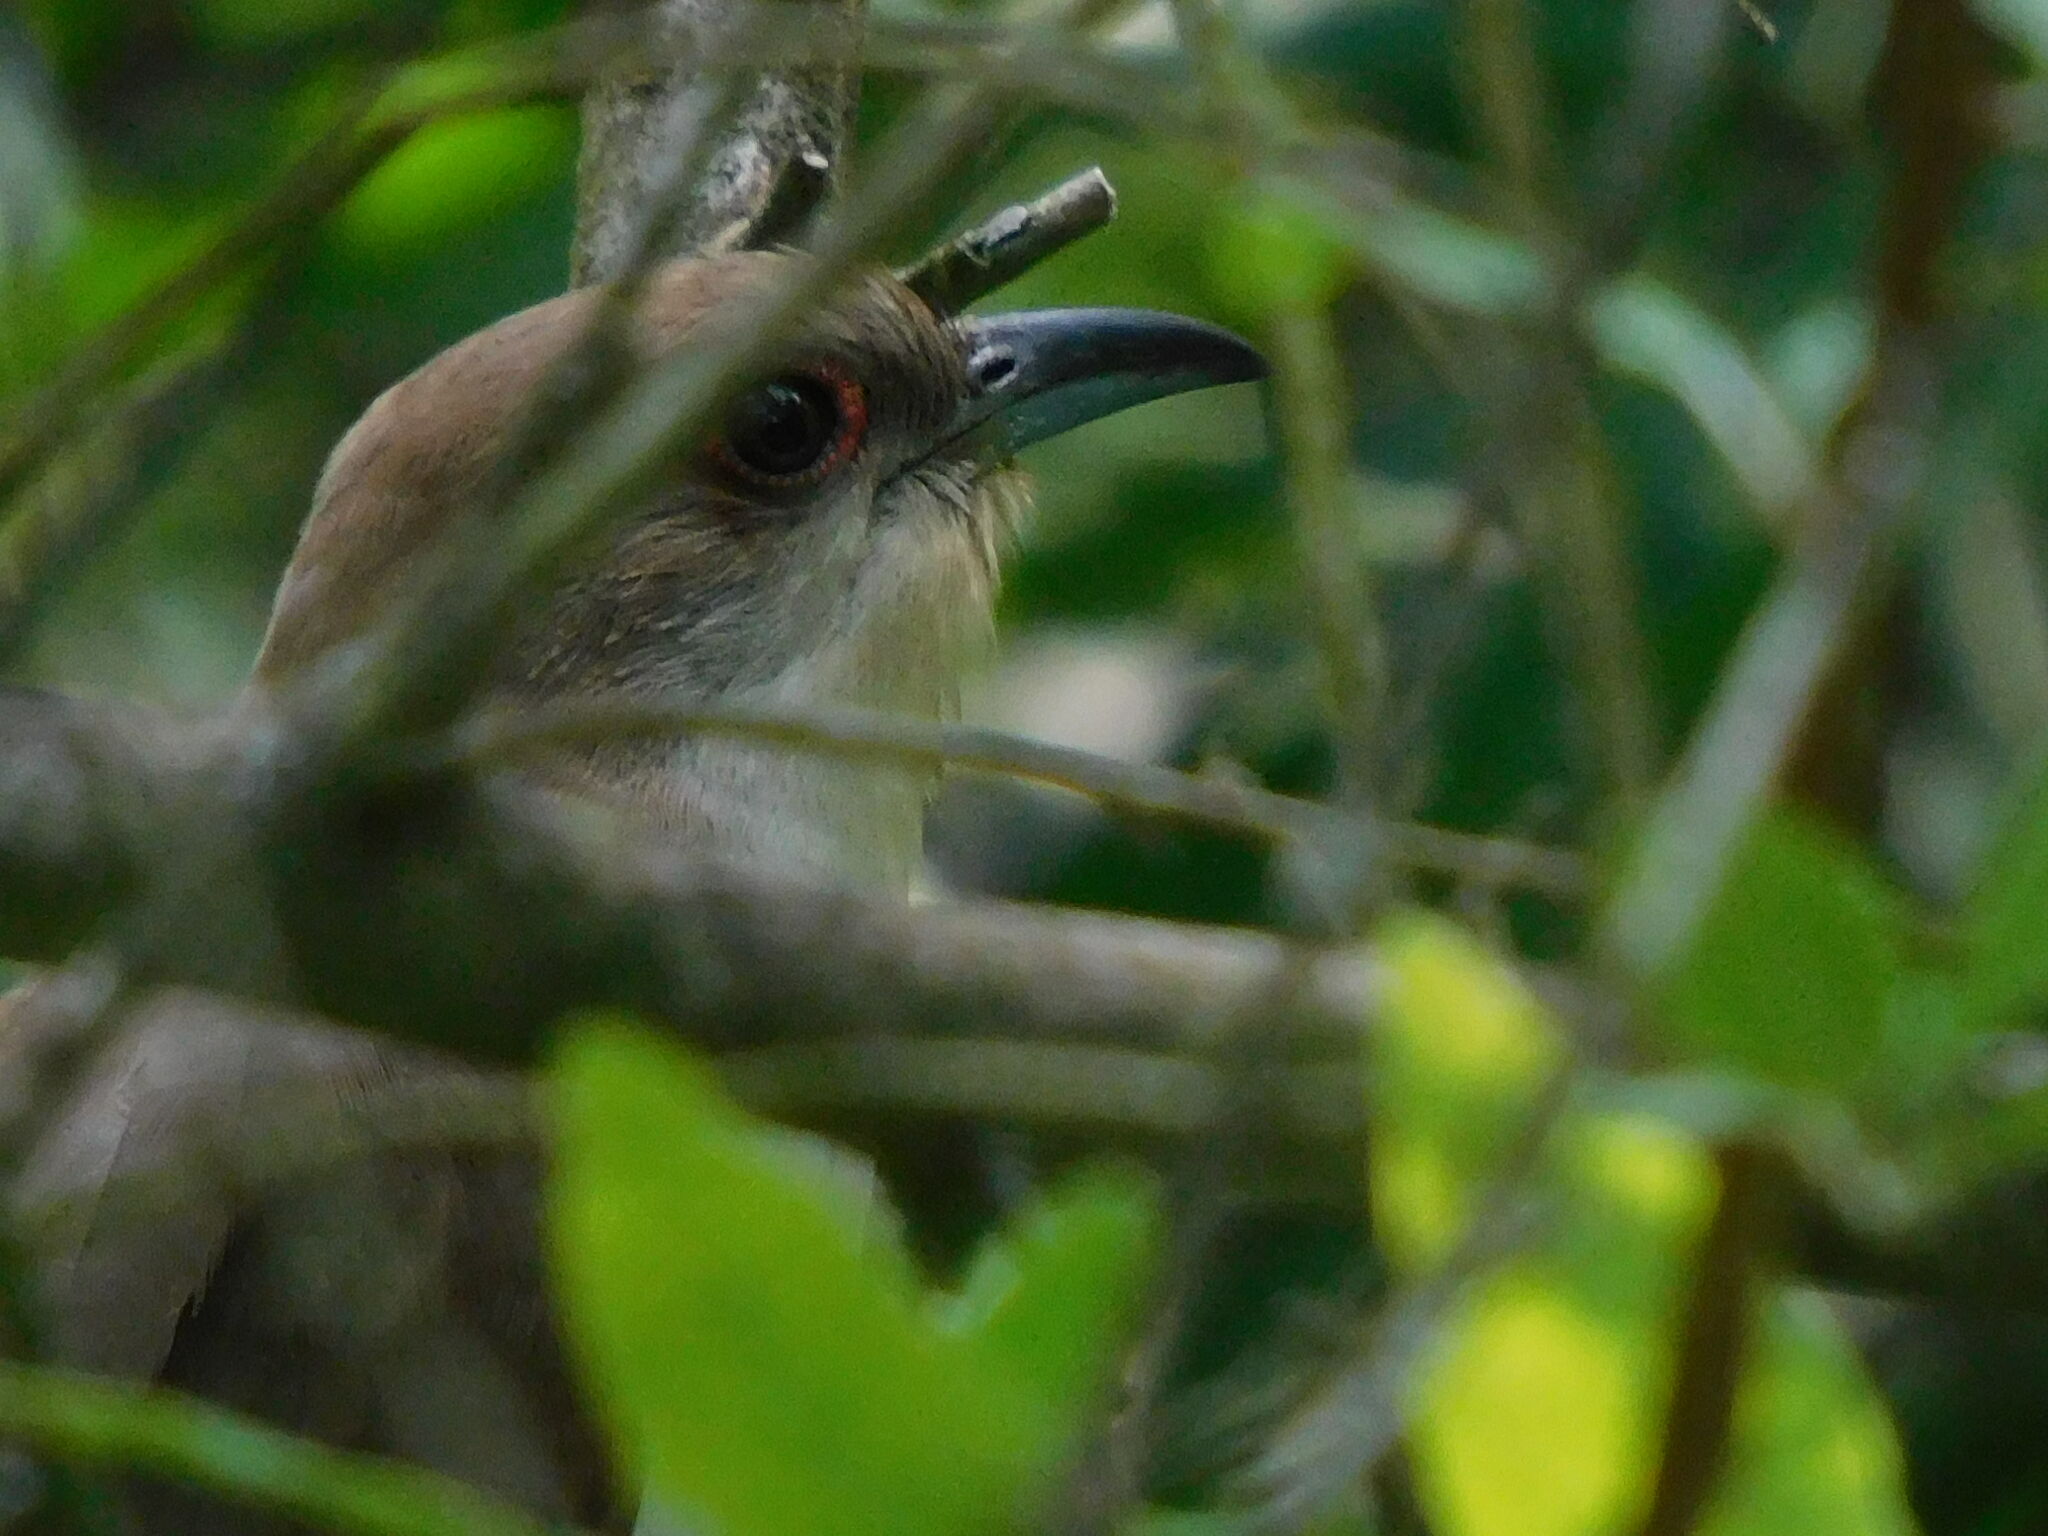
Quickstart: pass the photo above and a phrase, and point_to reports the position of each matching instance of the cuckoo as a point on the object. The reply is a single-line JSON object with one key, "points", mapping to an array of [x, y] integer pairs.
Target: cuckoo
{"points": [[835, 539]]}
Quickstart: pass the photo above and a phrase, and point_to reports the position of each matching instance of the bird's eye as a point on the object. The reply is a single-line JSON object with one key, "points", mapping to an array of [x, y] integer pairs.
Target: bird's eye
{"points": [[794, 429]]}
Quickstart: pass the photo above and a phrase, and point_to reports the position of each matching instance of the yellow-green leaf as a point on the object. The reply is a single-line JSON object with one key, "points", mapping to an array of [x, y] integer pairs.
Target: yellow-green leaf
{"points": [[1460, 1058], [1793, 969], [2003, 929], [1541, 1413], [769, 1359]]}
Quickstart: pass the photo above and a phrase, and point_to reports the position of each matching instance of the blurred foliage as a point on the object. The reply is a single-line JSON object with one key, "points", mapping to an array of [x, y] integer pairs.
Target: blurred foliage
{"points": [[1540, 1413], [1862, 1000], [848, 1401]]}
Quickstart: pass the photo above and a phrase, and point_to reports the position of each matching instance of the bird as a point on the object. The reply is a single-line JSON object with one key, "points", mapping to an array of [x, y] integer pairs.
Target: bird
{"points": [[835, 538]]}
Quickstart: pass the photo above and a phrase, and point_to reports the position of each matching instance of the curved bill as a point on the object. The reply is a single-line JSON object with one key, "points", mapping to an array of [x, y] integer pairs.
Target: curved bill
{"points": [[1034, 374]]}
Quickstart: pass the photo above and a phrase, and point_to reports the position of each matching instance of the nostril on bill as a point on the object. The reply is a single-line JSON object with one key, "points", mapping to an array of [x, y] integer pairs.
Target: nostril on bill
{"points": [[991, 368]]}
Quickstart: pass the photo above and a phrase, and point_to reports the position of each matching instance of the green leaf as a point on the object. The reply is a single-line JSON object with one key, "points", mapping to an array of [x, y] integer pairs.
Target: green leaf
{"points": [[1814, 1450], [774, 1364], [1541, 1412], [1791, 974], [2004, 922], [1458, 1062], [1045, 1302]]}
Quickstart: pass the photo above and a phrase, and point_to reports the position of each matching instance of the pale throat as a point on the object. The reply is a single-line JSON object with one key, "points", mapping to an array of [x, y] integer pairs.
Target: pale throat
{"points": [[908, 621]]}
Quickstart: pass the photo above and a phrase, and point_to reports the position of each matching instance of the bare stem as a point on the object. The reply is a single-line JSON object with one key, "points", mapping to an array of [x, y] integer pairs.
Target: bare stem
{"points": [[1507, 99], [1712, 1350], [1006, 245], [1758, 18], [1357, 1416], [1312, 397], [497, 76], [677, 159], [1140, 789], [122, 1425]]}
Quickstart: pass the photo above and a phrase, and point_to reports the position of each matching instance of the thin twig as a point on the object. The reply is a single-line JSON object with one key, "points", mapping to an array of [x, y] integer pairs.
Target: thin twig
{"points": [[1058, 1088], [1561, 481], [124, 1426], [1674, 54], [1552, 453], [1311, 409], [1789, 662], [1330, 1444], [1713, 1349], [1255, 1092], [1725, 776], [1139, 789], [1312, 403], [497, 76], [1255, 124], [1473, 567], [1507, 100], [1006, 245]]}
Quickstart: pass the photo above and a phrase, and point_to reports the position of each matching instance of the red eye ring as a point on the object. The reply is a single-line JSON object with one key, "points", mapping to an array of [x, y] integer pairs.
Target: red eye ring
{"points": [[794, 429]]}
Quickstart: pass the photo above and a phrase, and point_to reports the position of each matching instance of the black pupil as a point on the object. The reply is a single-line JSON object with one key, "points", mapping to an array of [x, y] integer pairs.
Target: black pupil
{"points": [[783, 427]]}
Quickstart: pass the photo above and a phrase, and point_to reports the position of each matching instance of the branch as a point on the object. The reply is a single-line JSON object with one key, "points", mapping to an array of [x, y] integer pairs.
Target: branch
{"points": [[473, 916], [677, 160], [121, 1426], [1309, 1145], [1332, 1441], [1137, 789], [1008, 244], [1713, 1349], [471, 81], [491, 911]]}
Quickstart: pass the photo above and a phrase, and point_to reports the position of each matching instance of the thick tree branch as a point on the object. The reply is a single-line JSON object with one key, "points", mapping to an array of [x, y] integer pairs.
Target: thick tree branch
{"points": [[473, 915], [753, 158]]}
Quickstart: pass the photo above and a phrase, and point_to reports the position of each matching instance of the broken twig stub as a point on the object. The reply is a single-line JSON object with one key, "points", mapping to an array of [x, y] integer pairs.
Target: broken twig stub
{"points": [[1008, 244], [682, 157]]}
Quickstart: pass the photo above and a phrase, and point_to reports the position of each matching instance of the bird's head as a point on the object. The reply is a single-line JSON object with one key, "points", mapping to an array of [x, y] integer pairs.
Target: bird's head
{"points": [[835, 538]]}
